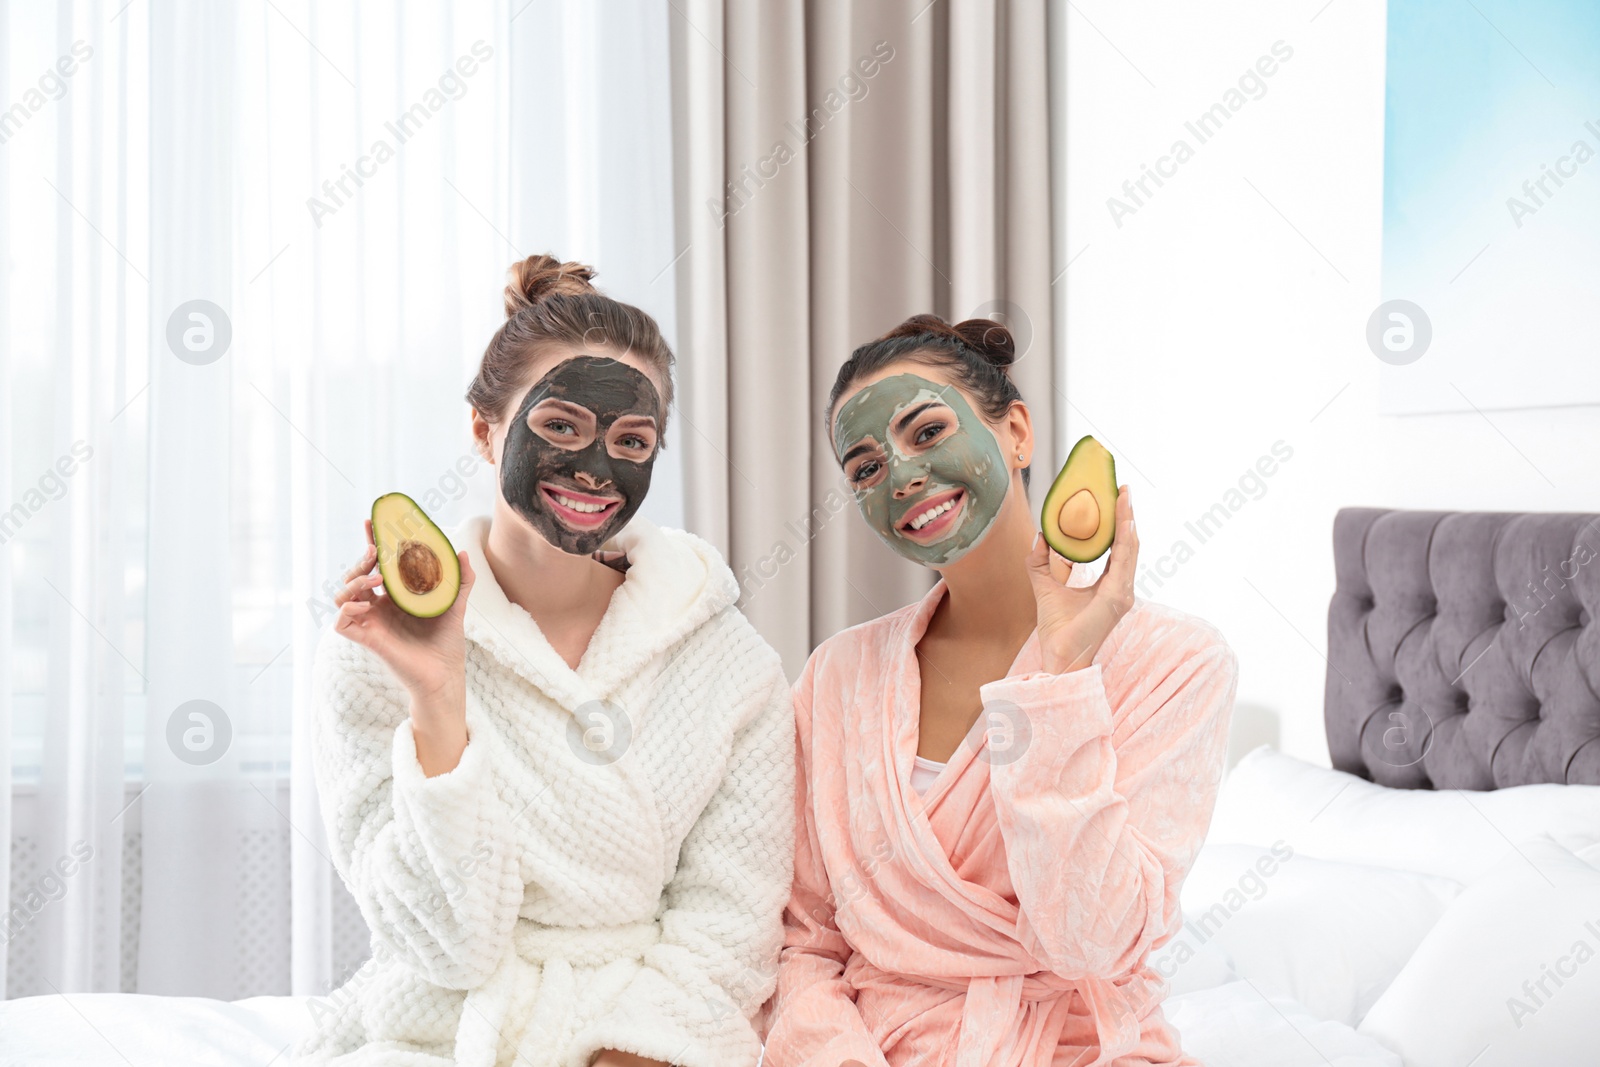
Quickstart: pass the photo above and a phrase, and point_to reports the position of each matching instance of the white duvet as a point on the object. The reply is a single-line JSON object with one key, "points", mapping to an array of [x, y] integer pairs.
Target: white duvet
{"points": [[1232, 1025], [1313, 936]]}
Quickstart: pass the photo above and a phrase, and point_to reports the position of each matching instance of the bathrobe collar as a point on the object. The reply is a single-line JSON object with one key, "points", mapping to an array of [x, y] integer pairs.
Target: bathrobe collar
{"points": [[674, 583], [895, 800], [890, 801]]}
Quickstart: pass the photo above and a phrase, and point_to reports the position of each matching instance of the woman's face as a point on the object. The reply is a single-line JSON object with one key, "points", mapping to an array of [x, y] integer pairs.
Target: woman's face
{"points": [[927, 470], [579, 446]]}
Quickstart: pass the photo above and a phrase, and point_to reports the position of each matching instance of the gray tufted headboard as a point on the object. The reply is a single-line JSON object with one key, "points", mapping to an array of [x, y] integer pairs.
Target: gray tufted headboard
{"points": [[1464, 648]]}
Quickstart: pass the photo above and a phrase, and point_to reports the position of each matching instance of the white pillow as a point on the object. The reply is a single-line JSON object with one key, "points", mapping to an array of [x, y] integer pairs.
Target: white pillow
{"points": [[1452, 833], [1234, 1025], [1330, 935], [1190, 964], [1509, 976]]}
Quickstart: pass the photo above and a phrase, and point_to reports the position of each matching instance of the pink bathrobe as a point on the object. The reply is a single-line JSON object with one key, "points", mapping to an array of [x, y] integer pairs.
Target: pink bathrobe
{"points": [[1005, 917]]}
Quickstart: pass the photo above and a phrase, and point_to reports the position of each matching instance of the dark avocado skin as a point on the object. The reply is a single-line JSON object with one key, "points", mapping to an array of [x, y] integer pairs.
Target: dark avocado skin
{"points": [[1082, 470]]}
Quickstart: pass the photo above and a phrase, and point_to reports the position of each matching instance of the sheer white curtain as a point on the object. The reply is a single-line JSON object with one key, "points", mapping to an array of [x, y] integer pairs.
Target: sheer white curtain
{"points": [[74, 292], [252, 253]]}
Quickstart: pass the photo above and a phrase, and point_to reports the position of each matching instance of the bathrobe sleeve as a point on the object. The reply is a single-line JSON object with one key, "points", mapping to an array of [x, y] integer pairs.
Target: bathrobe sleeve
{"points": [[696, 999], [431, 861], [815, 1022], [1105, 808]]}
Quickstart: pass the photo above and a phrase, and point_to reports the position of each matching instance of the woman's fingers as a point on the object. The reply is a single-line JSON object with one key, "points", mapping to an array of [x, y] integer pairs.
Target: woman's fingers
{"points": [[1124, 550], [468, 578], [358, 589], [358, 582], [352, 621], [1060, 567], [358, 622], [1043, 568], [364, 564], [1038, 558]]}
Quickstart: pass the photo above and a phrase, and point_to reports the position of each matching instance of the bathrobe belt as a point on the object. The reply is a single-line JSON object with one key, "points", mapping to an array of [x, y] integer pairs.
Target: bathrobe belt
{"points": [[1114, 1010], [532, 997]]}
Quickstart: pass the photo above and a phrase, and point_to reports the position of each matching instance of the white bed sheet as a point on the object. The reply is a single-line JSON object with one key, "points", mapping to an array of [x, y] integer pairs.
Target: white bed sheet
{"points": [[106, 1029], [1231, 1025]]}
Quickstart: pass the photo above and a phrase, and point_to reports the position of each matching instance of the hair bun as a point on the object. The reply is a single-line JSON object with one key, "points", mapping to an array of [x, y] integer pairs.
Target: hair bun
{"points": [[538, 277], [918, 324], [989, 339]]}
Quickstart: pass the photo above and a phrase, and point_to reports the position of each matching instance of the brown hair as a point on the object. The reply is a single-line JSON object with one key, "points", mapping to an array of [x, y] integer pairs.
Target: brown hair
{"points": [[553, 304], [975, 351]]}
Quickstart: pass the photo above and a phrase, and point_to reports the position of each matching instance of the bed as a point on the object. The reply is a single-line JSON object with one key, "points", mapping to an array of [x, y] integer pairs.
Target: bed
{"points": [[1432, 900]]}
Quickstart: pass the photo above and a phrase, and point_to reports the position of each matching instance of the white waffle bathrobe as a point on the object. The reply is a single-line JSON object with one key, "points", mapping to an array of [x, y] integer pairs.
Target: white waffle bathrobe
{"points": [[586, 877]]}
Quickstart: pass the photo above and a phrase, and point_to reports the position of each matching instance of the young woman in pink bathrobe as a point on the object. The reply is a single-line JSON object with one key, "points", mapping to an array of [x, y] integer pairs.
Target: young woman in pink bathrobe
{"points": [[1002, 786]]}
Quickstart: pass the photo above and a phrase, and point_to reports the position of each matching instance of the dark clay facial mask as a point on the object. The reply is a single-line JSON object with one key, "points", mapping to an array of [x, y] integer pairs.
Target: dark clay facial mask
{"points": [[578, 453], [926, 470]]}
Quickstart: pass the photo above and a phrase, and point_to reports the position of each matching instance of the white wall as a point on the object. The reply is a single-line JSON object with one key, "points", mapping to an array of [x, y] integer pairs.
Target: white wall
{"points": [[1228, 313]]}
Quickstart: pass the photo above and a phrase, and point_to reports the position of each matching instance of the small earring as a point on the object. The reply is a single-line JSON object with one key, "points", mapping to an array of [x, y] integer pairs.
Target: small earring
{"points": [[1020, 459]]}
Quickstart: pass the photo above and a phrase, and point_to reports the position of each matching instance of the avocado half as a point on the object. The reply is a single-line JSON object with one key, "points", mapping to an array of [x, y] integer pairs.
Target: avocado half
{"points": [[421, 573], [1080, 510]]}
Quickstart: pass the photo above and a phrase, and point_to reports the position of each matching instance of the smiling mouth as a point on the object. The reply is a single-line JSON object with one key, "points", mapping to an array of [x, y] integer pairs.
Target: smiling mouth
{"points": [[933, 517], [581, 511]]}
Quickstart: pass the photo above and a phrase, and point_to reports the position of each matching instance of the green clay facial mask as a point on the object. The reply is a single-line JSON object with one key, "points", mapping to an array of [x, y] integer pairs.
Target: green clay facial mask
{"points": [[926, 469]]}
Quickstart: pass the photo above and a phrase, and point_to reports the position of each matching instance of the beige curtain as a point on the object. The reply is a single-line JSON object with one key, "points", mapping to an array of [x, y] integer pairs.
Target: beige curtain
{"points": [[839, 167]]}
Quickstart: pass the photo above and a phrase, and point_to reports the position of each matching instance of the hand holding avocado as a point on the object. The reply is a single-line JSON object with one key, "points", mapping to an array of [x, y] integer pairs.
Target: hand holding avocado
{"points": [[416, 628], [1084, 514]]}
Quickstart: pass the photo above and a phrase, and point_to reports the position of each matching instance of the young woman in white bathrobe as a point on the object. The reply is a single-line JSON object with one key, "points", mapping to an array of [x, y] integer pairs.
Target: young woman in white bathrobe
{"points": [[566, 805]]}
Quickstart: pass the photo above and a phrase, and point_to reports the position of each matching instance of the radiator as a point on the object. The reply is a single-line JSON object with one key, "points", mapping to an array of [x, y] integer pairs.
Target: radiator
{"points": [[261, 957]]}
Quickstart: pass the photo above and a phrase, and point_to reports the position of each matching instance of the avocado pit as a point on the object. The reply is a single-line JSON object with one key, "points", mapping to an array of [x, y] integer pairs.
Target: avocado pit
{"points": [[1080, 515], [419, 567]]}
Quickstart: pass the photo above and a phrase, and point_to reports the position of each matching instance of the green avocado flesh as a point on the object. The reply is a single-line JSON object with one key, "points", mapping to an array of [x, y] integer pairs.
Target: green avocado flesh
{"points": [[1080, 510], [421, 573]]}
